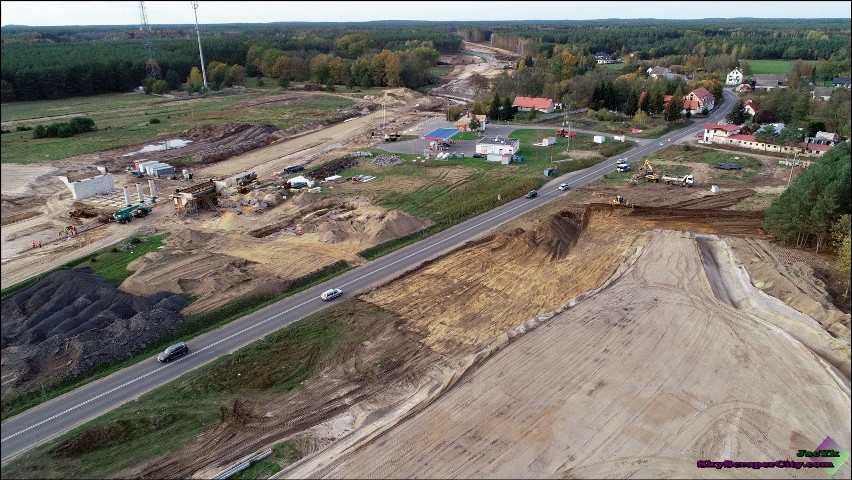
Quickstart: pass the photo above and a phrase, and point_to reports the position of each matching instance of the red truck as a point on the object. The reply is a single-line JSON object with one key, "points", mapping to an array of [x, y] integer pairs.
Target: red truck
{"points": [[562, 132]]}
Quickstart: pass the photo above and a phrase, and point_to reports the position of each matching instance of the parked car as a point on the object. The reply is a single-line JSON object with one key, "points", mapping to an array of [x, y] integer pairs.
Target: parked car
{"points": [[173, 352], [532, 194], [564, 186], [331, 294], [478, 155]]}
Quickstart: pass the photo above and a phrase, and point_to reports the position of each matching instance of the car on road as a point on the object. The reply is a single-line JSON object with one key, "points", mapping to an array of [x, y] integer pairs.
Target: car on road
{"points": [[331, 294], [174, 351], [531, 194], [564, 186]]}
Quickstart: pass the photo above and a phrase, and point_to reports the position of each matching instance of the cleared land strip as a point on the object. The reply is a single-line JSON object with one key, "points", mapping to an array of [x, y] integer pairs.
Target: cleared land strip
{"points": [[640, 380]]}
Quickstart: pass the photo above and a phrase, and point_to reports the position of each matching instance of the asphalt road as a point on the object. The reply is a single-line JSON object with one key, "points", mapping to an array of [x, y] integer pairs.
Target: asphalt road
{"points": [[45, 421]]}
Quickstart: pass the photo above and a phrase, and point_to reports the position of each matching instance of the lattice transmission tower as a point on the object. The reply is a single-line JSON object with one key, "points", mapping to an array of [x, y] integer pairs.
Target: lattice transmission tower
{"points": [[152, 68]]}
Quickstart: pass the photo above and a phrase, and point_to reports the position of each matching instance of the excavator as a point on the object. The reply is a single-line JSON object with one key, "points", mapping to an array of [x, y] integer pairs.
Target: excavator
{"points": [[647, 171], [619, 200]]}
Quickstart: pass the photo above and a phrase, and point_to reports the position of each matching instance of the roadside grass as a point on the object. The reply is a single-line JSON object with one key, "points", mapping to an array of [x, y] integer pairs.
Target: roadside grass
{"points": [[192, 326], [692, 154], [758, 202], [614, 178], [467, 136], [655, 129], [173, 415], [131, 125]]}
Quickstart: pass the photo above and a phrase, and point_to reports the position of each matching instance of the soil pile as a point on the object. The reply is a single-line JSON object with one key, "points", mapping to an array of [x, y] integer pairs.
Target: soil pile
{"points": [[73, 320]]}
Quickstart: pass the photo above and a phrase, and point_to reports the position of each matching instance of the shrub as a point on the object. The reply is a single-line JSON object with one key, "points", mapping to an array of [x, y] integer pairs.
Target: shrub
{"points": [[154, 120]]}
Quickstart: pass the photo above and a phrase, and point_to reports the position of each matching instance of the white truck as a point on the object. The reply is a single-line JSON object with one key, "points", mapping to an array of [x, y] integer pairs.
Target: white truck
{"points": [[684, 181]]}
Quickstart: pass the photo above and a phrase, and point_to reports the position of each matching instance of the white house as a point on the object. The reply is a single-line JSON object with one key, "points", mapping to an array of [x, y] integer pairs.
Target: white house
{"points": [[525, 104], [735, 77], [712, 130], [750, 108]]}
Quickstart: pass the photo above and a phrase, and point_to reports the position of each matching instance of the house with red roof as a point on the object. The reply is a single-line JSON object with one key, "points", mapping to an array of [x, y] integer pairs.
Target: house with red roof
{"points": [[750, 107], [525, 104], [697, 100], [712, 130]]}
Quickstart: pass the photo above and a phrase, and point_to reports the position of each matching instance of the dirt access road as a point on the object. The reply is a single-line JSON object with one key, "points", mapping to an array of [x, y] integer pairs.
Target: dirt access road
{"points": [[672, 375]]}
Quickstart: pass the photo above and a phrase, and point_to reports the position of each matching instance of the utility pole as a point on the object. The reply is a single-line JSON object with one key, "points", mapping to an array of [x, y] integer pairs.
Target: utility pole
{"points": [[200, 53], [792, 165]]}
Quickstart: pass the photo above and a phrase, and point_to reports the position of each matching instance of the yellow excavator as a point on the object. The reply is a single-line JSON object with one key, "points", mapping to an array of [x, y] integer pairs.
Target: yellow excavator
{"points": [[619, 200], [647, 171]]}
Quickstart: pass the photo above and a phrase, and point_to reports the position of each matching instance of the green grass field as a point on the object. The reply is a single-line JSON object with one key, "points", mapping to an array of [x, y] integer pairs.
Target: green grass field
{"points": [[775, 67], [123, 119]]}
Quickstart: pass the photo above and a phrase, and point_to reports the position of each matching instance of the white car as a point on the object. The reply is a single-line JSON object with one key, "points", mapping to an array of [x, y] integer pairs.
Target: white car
{"points": [[331, 294], [563, 186]]}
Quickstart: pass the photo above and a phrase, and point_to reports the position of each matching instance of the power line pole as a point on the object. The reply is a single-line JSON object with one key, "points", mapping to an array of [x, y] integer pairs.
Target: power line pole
{"points": [[200, 52]]}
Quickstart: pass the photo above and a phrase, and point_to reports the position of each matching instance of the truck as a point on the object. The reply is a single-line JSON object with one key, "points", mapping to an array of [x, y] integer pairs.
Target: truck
{"points": [[246, 179], [392, 137], [684, 181], [126, 214], [622, 166], [564, 132]]}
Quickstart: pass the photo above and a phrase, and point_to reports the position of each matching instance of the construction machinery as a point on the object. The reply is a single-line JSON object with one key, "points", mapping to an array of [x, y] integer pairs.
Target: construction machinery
{"points": [[246, 178], [126, 214], [619, 200], [684, 181], [647, 172]]}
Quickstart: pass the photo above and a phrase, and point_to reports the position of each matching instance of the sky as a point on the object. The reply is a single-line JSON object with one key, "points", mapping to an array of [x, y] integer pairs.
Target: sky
{"points": [[52, 13]]}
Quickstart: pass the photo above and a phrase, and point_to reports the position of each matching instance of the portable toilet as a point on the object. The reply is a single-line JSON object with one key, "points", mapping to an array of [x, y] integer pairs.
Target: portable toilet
{"points": [[548, 172]]}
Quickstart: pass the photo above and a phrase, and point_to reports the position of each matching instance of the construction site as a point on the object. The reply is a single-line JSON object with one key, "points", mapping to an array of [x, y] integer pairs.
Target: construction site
{"points": [[619, 331]]}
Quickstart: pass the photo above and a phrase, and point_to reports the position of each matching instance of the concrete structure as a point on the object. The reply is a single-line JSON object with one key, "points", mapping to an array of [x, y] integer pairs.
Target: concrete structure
{"points": [[153, 191], [127, 200], [90, 187], [191, 199], [140, 192], [735, 77]]}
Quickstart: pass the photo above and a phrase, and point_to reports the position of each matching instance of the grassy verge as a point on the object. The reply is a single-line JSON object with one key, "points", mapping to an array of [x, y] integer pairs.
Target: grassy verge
{"points": [[174, 414], [467, 136], [192, 326]]}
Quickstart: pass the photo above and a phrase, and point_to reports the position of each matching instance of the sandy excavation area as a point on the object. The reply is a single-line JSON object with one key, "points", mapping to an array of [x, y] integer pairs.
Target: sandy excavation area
{"points": [[662, 367]]}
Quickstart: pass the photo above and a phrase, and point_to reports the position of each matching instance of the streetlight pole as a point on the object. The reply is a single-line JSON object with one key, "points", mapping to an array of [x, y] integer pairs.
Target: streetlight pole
{"points": [[792, 164]]}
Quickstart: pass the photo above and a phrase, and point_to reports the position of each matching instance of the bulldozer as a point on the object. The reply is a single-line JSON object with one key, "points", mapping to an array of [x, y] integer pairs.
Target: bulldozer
{"points": [[619, 200], [647, 172]]}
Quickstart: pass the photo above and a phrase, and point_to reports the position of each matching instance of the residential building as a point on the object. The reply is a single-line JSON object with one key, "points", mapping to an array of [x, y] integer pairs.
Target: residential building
{"points": [[657, 72], [768, 82], [750, 107], [735, 77], [743, 88], [822, 93], [719, 130], [826, 138], [603, 57], [840, 82], [463, 123], [725, 136], [698, 100], [525, 104]]}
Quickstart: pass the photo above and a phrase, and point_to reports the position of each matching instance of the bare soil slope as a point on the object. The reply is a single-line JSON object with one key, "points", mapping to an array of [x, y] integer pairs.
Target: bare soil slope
{"points": [[641, 380]]}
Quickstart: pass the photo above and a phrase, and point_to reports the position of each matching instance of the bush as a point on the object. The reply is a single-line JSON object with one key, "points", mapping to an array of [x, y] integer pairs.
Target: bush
{"points": [[154, 120], [23, 128]]}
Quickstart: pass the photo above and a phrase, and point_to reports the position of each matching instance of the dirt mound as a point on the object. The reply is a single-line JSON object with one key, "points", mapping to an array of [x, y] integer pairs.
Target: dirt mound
{"points": [[73, 320], [552, 239]]}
